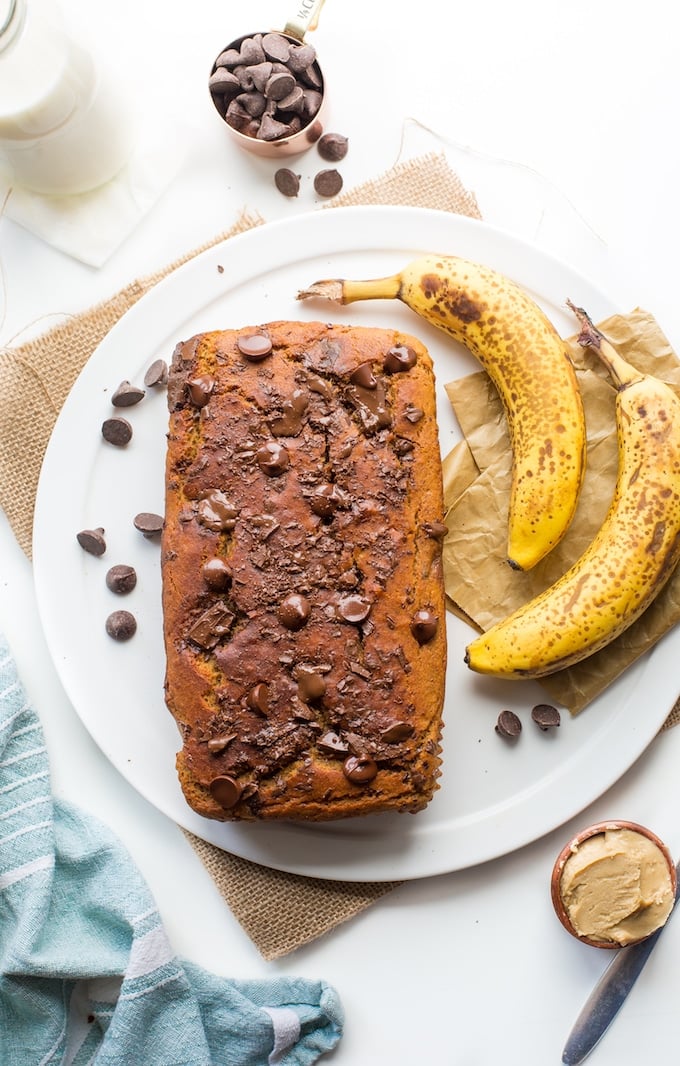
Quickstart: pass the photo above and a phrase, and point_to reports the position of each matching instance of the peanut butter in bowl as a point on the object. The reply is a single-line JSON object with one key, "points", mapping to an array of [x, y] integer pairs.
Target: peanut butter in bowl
{"points": [[613, 884]]}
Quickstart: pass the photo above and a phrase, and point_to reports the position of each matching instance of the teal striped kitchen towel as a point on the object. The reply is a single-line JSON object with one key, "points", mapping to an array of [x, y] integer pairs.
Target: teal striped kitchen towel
{"points": [[87, 974]]}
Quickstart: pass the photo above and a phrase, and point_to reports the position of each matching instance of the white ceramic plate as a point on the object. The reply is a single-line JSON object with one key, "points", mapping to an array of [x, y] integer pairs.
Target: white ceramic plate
{"points": [[494, 797]]}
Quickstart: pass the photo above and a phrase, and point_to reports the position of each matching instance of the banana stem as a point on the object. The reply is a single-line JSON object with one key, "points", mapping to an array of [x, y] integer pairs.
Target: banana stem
{"points": [[621, 372], [346, 292]]}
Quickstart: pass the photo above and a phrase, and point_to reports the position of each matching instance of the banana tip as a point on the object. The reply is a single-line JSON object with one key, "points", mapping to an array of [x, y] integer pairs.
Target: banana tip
{"points": [[327, 289]]}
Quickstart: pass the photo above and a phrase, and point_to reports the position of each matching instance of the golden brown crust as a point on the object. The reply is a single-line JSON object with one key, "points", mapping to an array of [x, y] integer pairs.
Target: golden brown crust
{"points": [[306, 680]]}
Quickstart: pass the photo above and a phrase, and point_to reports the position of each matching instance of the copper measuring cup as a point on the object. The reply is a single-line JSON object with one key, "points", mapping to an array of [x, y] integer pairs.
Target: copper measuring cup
{"points": [[277, 130]]}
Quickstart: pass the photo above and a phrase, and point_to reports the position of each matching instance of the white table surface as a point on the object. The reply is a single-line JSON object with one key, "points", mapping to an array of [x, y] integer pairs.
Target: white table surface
{"points": [[467, 968]]}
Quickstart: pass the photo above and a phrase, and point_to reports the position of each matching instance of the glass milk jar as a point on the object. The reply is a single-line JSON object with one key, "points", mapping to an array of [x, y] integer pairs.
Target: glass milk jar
{"points": [[63, 128]]}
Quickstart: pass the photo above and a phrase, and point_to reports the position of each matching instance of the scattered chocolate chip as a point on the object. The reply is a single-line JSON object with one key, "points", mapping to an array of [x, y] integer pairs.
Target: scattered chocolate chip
{"points": [[258, 699], [294, 611], [148, 523], [290, 422], [121, 578], [209, 628], [359, 769], [254, 346], [216, 574], [157, 374], [262, 525], [216, 512], [92, 541], [272, 458], [287, 182], [332, 744], [413, 414], [121, 625], [424, 625], [359, 670], [545, 716], [436, 530], [117, 431], [311, 686], [332, 147], [303, 714], [364, 376], [200, 389], [216, 745], [127, 395], [508, 725], [325, 500], [328, 182], [354, 609], [371, 406], [249, 791], [225, 791], [396, 731], [402, 446], [399, 358]]}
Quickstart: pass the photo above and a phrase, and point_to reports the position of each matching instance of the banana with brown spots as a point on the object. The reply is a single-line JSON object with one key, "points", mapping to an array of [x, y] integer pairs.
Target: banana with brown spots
{"points": [[633, 554], [503, 327]]}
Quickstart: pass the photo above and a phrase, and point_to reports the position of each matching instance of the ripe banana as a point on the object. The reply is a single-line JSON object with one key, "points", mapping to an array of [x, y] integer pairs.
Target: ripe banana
{"points": [[530, 366], [631, 557]]}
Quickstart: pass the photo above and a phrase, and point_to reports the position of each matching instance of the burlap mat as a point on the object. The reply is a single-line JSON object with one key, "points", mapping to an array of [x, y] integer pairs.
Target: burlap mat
{"points": [[279, 911]]}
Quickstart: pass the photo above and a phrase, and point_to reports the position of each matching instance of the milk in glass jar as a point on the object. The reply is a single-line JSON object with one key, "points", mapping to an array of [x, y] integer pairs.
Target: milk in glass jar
{"points": [[63, 128]]}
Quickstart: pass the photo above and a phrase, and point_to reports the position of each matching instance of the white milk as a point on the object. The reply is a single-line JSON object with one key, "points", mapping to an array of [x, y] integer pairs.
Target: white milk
{"points": [[63, 128]]}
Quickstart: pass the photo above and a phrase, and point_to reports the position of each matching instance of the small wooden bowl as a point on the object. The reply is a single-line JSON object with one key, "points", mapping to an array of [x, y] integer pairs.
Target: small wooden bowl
{"points": [[572, 846]]}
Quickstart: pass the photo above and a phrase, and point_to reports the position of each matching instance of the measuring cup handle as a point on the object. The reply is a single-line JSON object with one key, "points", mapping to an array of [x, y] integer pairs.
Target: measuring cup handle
{"points": [[305, 18]]}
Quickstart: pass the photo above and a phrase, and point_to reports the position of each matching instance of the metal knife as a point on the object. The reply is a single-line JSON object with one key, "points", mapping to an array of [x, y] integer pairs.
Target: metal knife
{"points": [[609, 994]]}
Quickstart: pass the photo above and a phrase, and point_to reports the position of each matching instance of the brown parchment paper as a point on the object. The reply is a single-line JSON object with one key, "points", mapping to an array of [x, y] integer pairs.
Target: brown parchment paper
{"points": [[480, 584]]}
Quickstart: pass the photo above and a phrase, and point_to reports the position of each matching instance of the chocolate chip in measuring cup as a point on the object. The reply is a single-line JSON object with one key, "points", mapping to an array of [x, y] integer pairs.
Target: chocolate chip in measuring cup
{"points": [[279, 86], [224, 84], [276, 47], [268, 87]]}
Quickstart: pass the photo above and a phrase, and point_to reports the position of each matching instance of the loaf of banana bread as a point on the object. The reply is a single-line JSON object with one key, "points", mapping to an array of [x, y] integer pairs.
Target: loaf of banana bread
{"points": [[303, 597]]}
